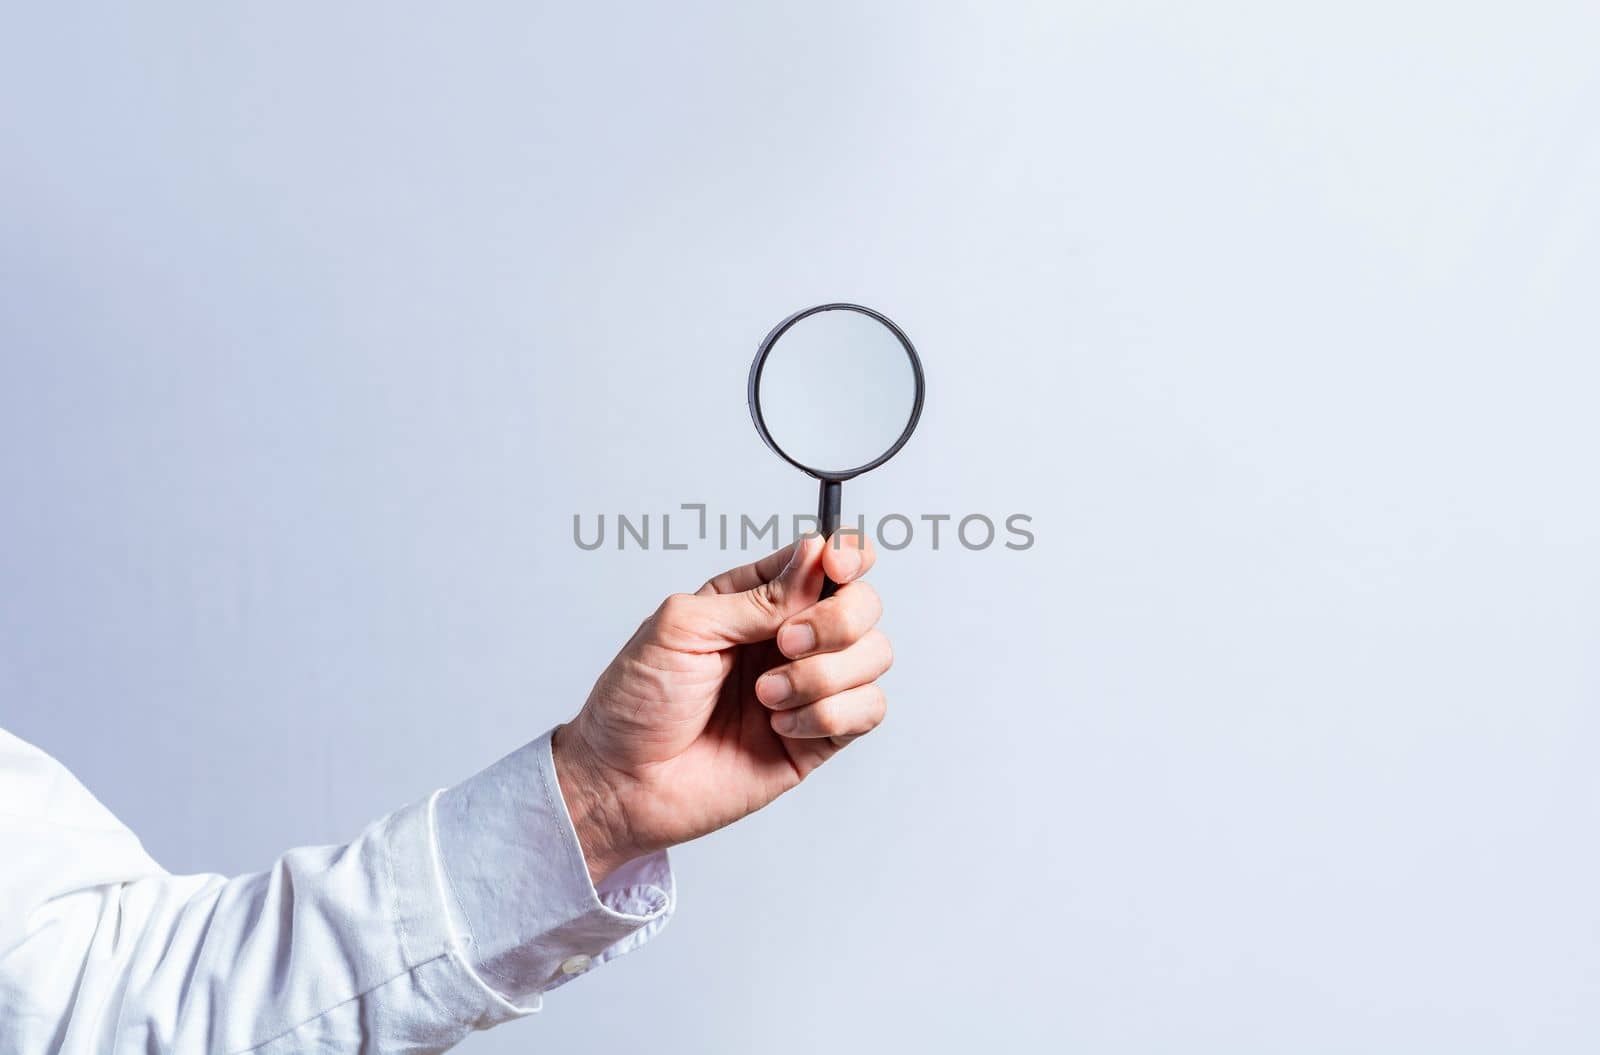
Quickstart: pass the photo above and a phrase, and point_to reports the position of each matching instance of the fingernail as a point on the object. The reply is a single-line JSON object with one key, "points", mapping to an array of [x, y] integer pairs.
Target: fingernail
{"points": [[773, 689], [785, 721], [796, 639]]}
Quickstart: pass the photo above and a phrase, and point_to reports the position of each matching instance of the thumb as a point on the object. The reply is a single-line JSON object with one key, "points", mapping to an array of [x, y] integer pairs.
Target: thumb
{"points": [[711, 621]]}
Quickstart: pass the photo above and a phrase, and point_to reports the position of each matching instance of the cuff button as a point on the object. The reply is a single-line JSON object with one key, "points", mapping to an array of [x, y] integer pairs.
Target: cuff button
{"points": [[576, 964]]}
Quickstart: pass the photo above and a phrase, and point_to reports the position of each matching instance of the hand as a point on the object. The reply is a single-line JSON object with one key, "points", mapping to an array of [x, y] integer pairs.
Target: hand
{"points": [[723, 700]]}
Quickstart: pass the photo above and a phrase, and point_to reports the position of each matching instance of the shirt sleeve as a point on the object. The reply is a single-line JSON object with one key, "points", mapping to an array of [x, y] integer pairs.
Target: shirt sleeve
{"points": [[527, 911], [448, 916]]}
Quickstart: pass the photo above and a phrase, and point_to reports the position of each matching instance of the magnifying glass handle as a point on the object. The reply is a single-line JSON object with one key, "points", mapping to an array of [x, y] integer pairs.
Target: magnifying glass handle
{"points": [[828, 523]]}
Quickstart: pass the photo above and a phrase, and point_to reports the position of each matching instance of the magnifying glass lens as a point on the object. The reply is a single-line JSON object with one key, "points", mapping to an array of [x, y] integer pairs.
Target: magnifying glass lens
{"points": [[837, 391]]}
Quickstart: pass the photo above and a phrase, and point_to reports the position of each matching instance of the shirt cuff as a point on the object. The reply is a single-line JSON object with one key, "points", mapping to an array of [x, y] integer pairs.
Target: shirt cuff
{"points": [[516, 887]]}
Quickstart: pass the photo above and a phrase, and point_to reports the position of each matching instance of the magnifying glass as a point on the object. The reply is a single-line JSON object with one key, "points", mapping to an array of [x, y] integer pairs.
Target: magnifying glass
{"points": [[835, 391]]}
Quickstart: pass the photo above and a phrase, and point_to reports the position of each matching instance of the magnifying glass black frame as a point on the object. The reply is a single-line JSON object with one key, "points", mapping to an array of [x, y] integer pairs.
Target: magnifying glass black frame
{"points": [[829, 497]]}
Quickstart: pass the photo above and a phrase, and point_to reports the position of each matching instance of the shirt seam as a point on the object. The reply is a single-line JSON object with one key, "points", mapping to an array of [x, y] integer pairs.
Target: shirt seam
{"points": [[325, 1012], [452, 942], [558, 813], [449, 881], [436, 858]]}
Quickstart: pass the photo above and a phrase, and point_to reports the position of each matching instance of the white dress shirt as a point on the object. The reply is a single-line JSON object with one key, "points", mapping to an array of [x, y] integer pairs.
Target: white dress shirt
{"points": [[450, 915]]}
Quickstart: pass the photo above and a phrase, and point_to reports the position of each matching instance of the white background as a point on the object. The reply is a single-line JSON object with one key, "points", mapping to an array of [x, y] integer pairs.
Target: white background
{"points": [[319, 322]]}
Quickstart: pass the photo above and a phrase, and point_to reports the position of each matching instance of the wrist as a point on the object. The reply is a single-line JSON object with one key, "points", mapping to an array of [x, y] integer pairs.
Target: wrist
{"points": [[593, 803]]}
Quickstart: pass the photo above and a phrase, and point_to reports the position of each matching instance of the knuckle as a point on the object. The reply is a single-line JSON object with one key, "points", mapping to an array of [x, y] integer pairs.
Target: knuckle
{"points": [[809, 678], [843, 623], [763, 600], [863, 613], [888, 650], [859, 623], [828, 679], [676, 610], [874, 711], [826, 719], [878, 647], [866, 595], [872, 597]]}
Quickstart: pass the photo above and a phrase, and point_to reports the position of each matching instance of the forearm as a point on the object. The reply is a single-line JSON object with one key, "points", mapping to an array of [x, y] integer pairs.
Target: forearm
{"points": [[450, 915], [203, 963]]}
